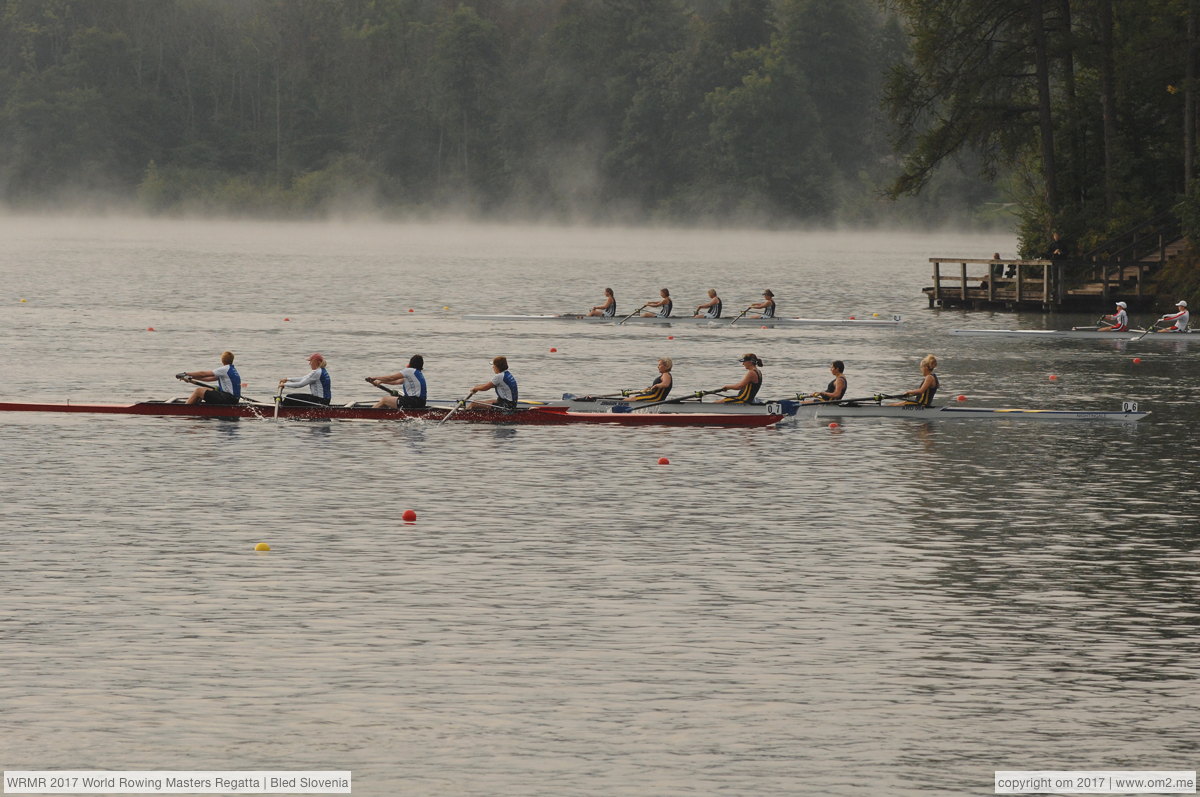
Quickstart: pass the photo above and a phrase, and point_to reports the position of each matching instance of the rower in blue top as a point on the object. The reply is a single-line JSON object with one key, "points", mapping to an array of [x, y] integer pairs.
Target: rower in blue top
{"points": [[504, 383], [320, 389], [412, 386], [229, 383], [663, 304]]}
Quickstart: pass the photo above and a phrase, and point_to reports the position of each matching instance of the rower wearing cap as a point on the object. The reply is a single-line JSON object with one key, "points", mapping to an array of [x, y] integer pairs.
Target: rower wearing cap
{"points": [[229, 383], [751, 381], [663, 304], [607, 308], [1119, 319], [412, 386], [923, 395], [837, 386], [711, 308], [1180, 318], [767, 305], [317, 381], [504, 383], [661, 387]]}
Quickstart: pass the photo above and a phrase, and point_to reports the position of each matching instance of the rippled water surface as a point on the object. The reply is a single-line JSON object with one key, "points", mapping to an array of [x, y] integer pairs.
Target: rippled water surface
{"points": [[887, 607]]}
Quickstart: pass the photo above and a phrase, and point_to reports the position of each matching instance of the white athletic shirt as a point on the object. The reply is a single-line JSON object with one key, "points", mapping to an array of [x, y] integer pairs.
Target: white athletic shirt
{"points": [[224, 380], [413, 384], [1180, 319], [1120, 318], [317, 381], [506, 385]]}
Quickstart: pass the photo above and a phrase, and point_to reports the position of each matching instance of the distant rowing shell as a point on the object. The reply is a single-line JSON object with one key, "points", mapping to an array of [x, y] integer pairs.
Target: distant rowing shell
{"points": [[1076, 334], [894, 321], [1128, 412]]}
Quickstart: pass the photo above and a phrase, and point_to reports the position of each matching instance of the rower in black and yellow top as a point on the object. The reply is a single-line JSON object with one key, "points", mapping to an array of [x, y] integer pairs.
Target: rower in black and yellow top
{"points": [[746, 389], [661, 387], [923, 395]]}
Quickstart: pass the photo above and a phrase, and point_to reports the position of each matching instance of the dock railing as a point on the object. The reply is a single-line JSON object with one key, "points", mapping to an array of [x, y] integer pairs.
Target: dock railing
{"points": [[1021, 281]]}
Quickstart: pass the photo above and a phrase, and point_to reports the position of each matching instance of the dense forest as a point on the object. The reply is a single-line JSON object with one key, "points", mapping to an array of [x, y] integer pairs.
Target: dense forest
{"points": [[1080, 114], [630, 110]]}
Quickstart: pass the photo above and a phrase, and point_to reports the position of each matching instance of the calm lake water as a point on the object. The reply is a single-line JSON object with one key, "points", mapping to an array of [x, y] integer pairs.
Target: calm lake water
{"points": [[884, 608]]}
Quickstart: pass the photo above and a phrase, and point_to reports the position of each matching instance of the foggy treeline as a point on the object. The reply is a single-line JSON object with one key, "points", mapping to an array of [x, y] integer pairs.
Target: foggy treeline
{"points": [[562, 109]]}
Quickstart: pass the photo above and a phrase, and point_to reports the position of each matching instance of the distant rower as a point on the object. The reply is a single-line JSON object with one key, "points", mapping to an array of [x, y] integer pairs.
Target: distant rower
{"points": [[1181, 318], [412, 382], [711, 308], [767, 305], [1119, 319], [663, 304], [607, 308]]}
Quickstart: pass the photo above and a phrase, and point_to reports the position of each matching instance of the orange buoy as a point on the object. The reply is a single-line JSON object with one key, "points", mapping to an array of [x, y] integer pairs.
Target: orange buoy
{"points": [[149, 329], [409, 516], [960, 398], [664, 461], [1053, 377]]}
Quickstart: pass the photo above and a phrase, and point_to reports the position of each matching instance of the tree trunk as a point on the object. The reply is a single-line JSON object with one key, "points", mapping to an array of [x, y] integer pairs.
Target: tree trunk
{"points": [[1108, 103], [1045, 117]]}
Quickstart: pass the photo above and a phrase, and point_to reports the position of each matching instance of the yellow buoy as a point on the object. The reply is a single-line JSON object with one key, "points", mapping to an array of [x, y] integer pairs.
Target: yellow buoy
{"points": [[24, 300], [262, 546]]}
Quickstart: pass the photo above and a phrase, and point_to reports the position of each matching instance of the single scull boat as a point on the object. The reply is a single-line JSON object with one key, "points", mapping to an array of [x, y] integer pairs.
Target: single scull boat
{"points": [[1075, 334]]}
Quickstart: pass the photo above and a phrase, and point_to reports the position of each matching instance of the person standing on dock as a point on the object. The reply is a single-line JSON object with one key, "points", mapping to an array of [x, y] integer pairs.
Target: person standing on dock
{"points": [[229, 383], [767, 305], [608, 308], [663, 303], [837, 386], [320, 387], [504, 383], [711, 308], [1119, 319], [1179, 318], [412, 382]]}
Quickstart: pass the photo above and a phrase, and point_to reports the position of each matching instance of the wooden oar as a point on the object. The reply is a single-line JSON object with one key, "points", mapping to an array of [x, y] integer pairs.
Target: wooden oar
{"points": [[739, 315], [458, 405], [278, 401], [699, 394], [631, 315], [183, 377]]}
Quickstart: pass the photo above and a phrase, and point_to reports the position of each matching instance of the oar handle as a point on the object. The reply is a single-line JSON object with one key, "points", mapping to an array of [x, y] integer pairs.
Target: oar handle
{"points": [[384, 388]]}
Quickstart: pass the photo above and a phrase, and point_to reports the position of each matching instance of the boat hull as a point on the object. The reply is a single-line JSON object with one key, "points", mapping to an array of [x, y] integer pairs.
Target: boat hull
{"points": [[1074, 334], [541, 415], [946, 413], [707, 322], [686, 407]]}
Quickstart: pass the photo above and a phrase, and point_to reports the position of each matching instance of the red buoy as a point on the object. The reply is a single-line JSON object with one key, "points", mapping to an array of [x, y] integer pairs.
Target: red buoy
{"points": [[410, 309], [1137, 359], [552, 349], [834, 425], [960, 398], [409, 516], [1053, 377], [664, 461], [287, 319], [149, 329]]}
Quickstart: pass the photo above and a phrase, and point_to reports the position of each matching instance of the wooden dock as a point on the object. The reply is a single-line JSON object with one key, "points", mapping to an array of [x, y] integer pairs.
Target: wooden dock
{"points": [[1045, 285]]}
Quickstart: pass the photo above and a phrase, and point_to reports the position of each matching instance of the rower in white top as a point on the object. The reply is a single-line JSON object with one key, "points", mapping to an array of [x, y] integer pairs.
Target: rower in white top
{"points": [[1119, 320], [1179, 318]]}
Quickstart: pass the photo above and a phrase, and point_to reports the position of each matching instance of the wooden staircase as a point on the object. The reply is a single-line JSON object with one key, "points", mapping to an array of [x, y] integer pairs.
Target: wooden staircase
{"points": [[1122, 267]]}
